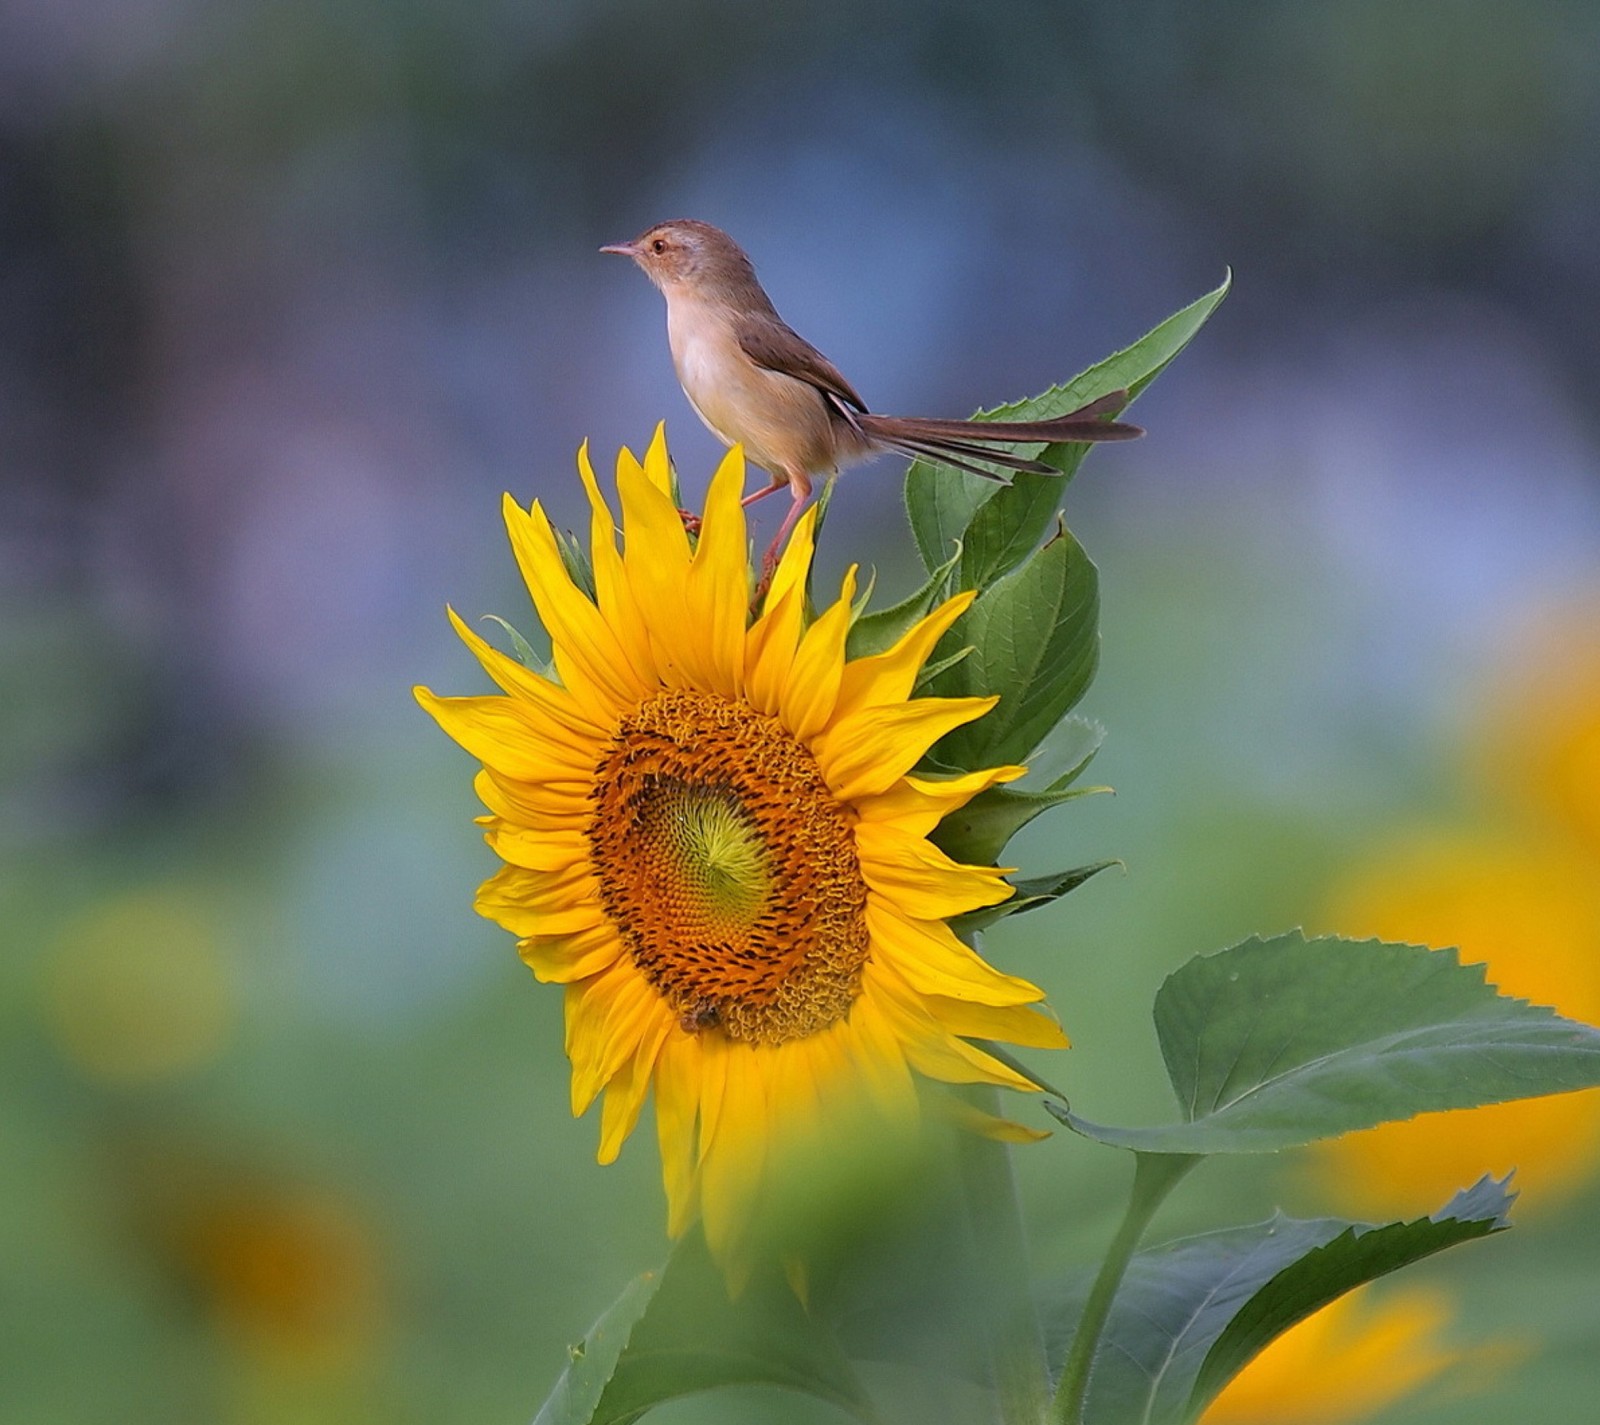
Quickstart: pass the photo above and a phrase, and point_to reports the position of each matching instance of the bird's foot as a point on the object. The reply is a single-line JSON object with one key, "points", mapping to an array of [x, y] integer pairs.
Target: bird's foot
{"points": [[769, 567], [691, 521]]}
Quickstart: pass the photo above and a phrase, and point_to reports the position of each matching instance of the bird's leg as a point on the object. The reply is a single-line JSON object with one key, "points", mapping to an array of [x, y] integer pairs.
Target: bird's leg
{"points": [[692, 521], [778, 482], [799, 492]]}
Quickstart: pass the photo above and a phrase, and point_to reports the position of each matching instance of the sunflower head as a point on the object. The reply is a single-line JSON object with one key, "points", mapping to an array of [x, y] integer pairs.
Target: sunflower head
{"points": [[712, 835]]}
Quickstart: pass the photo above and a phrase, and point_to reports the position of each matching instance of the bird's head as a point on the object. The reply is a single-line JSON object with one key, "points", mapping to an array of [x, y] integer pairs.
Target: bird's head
{"points": [[685, 253]]}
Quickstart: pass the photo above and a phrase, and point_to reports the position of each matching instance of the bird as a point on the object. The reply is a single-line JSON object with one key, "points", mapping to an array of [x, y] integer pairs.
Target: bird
{"points": [[756, 382]]}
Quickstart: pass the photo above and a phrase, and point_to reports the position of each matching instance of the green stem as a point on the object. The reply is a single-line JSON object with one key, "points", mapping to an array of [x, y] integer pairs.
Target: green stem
{"points": [[1016, 1345], [1154, 1176]]}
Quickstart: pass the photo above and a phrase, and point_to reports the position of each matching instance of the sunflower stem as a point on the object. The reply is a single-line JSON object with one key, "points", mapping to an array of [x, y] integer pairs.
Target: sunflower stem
{"points": [[1154, 1176], [1016, 1344]]}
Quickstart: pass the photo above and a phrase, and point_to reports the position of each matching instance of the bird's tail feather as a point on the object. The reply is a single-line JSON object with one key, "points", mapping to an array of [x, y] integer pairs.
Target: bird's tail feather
{"points": [[945, 452], [1082, 425]]}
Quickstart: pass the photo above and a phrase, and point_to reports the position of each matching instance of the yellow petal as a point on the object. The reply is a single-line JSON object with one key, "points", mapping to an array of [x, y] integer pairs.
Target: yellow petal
{"points": [[534, 903], [889, 677], [915, 875], [829, 1056], [769, 651], [795, 562], [607, 1016], [918, 804], [713, 1080], [938, 1054], [866, 753], [554, 851], [813, 686], [1351, 1360], [534, 804], [929, 1048], [678, 1079], [521, 681], [561, 959], [592, 664], [1009, 1024], [656, 555], [718, 589], [933, 961], [878, 1059], [796, 1099], [625, 1093], [733, 1159], [504, 734], [657, 463], [775, 635], [613, 592], [627, 460], [988, 1125]]}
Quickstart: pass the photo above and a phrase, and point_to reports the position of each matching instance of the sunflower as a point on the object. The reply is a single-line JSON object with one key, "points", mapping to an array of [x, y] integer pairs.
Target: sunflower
{"points": [[1349, 1360], [712, 837]]}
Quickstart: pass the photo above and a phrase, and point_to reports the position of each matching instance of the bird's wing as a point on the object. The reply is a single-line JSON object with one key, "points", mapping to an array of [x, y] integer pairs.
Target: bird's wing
{"points": [[769, 342]]}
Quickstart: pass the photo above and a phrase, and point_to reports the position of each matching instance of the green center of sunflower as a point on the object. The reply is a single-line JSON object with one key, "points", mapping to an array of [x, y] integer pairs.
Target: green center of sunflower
{"points": [[714, 861], [728, 868]]}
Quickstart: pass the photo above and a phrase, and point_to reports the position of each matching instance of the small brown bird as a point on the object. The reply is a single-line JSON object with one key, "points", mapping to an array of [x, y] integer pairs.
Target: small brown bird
{"points": [[757, 383]]}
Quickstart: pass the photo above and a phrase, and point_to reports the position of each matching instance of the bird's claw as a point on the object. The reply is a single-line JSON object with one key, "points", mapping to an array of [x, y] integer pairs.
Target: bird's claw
{"points": [[769, 567]]}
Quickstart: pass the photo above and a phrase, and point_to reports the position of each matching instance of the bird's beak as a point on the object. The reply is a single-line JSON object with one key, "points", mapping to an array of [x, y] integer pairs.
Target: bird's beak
{"points": [[626, 249]]}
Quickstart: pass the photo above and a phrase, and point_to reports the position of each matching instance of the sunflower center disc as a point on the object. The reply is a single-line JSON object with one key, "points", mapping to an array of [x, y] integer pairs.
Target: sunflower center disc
{"points": [[729, 868]]}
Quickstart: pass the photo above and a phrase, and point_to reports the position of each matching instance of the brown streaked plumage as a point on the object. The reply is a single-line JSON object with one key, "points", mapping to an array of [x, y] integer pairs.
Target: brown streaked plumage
{"points": [[755, 382]]}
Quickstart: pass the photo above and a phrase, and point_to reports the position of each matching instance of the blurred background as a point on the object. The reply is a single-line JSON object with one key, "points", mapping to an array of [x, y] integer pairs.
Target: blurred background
{"points": [[290, 292]]}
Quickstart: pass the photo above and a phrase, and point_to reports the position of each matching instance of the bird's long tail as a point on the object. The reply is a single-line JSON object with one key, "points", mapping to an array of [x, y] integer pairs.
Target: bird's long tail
{"points": [[961, 443]]}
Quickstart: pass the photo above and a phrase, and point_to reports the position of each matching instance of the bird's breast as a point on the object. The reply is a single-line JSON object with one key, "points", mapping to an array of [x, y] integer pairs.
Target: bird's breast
{"points": [[783, 423]]}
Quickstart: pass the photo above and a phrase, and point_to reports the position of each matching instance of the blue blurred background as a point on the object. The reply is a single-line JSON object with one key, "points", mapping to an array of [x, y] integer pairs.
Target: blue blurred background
{"points": [[290, 292]]}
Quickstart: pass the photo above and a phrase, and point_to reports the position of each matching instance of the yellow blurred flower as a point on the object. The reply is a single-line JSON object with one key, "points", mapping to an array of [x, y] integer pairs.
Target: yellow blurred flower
{"points": [[713, 840], [1530, 911], [1351, 1359], [1539, 741], [138, 989], [1521, 897], [292, 1275]]}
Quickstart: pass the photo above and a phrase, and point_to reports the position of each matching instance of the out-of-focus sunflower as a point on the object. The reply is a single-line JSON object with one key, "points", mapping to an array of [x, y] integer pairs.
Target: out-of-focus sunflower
{"points": [[1343, 1363], [713, 839], [1538, 740], [1528, 909]]}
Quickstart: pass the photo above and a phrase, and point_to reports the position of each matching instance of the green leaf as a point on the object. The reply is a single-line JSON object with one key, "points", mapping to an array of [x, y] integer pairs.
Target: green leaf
{"points": [[1036, 642], [1007, 527], [593, 1361], [883, 628], [1190, 1315], [1279, 1042], [1135, 367], [1032, 892], [523, 649], [1354, 1257], [978, 832], [928, 678], [996, 1050], [676, 1333], [944, 504], [575, 558], [1067, 750], [824, 505]]}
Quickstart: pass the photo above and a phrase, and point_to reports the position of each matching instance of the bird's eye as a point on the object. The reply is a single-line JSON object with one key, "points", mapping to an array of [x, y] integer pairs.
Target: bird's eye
{"points": [[659, 245]]}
